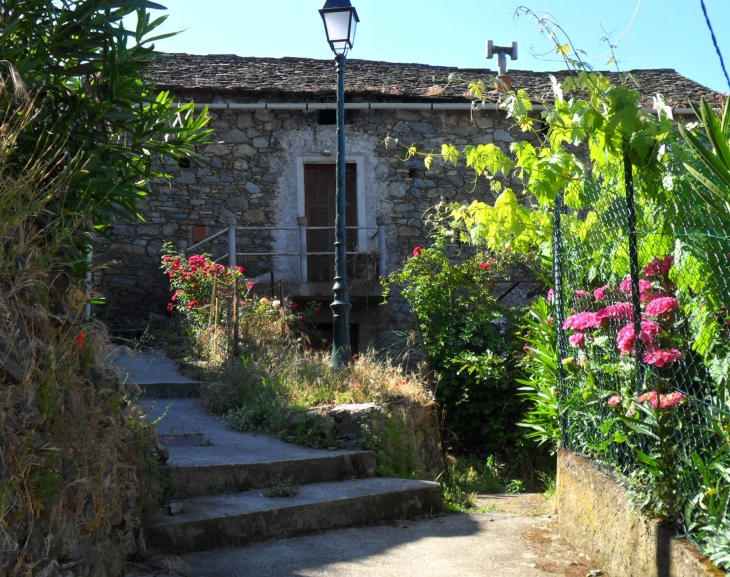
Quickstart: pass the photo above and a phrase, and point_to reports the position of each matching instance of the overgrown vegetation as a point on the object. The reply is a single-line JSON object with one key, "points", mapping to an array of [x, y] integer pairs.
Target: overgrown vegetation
{"points": [[82, 133], [630, 221], [277, 384]]}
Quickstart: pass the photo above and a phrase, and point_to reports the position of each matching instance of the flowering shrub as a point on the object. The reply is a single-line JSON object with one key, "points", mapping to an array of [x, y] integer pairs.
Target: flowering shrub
{"points": [[200, 285], [466, 340]]}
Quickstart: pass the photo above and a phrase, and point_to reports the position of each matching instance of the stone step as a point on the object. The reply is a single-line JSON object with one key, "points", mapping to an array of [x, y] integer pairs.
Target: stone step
{"points": [[191, 480], [169, 390], [238, 519]]}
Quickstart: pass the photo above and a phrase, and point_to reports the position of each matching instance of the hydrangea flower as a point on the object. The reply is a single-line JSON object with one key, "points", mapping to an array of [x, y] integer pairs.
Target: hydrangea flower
{"points": [[626, 337], [661, 305], [601, 293], [577, 340], [661, 357], [663, 401], [659, 266], [582, 321], [579, 294], [551, 296], [620, 311]]}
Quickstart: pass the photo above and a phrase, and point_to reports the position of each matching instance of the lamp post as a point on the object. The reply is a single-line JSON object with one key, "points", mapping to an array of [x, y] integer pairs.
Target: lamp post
{"points": [[340, 20]]}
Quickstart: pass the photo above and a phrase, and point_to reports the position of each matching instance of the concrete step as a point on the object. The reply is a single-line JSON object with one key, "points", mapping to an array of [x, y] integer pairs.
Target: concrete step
{"points": [[193, 480], [238, 519], [170, 390]]}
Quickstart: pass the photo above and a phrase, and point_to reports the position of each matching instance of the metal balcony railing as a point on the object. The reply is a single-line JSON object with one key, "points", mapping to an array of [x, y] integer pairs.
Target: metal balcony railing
{"points": [[301, 251]]}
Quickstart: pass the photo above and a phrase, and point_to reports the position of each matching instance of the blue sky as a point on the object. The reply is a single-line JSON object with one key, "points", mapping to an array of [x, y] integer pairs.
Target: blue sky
{"points": [[664, 34]]}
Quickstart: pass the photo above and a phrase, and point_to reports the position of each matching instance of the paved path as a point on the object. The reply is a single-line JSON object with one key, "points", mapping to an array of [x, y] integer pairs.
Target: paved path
{"points": [[490, 545], [518, 539]]}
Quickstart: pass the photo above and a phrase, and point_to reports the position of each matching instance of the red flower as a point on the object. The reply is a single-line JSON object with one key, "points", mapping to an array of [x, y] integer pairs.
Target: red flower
{"points": [[485, 265], [166, 259], [294, 306], [169, 307], [659, 266], [317, 310], [239, 269], [80, 339], [250, 284], [191, 305], [417, 251], [352, 358]]}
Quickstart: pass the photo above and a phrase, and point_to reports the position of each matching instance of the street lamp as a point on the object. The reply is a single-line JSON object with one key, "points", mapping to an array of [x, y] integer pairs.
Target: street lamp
{"points": [[340, 20]]}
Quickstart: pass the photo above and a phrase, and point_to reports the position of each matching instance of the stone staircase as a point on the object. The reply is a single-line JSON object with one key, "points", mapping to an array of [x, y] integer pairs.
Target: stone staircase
{"points": [[232, 489]]}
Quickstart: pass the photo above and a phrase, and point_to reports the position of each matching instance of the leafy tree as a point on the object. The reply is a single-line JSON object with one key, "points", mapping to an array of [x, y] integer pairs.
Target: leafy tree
{"points": [[84, 70]]}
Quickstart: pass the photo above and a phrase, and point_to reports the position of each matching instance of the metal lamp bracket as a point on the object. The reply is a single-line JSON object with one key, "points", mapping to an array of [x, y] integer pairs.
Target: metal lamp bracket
{"points": [[502, 52]]}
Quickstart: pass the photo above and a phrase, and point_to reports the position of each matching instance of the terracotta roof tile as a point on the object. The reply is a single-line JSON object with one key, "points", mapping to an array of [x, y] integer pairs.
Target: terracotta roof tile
{"points": [[313, 80]]}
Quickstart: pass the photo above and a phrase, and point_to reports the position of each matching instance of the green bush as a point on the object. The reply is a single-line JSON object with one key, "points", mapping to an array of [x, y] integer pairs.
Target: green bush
{"points": [[468, 344]]}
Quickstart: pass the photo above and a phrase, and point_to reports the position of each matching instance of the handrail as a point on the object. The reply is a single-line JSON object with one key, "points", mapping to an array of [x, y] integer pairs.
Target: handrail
{"points": [[302, 228]]}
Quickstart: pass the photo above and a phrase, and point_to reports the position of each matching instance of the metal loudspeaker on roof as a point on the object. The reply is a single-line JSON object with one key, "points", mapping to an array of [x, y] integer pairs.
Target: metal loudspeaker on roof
{"points": [[502, 52]]}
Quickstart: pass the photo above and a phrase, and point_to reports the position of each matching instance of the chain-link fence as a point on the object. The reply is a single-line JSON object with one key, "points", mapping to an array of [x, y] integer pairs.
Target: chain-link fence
{"points": [[641, 305]]}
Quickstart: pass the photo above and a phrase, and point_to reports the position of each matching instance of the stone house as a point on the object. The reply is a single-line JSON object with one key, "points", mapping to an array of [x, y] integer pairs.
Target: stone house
{"points": [[271, 168]]}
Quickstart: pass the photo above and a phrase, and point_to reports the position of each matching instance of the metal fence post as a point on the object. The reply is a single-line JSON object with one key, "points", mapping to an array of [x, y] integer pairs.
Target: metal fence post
{"points": [[232, 241], [182, 246], [558, 303], [634, 269], [302, 224], [382, 258]]}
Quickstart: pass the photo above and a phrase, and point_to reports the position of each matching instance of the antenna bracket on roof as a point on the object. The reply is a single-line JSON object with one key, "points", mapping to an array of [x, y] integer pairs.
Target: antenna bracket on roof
{"points": [[502, 52]]}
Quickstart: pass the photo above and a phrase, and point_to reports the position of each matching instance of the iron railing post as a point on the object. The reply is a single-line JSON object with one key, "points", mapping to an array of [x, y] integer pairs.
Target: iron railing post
{"points": [[302, 224], [232, 241], [382, 258]]}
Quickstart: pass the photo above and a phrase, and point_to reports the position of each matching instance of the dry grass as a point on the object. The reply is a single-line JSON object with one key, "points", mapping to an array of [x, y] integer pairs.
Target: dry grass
{"points": [[74, 459]]}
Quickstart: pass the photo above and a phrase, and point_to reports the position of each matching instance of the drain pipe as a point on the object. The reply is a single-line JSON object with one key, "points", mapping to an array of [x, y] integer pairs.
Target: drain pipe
{"points": [[307, 106]]}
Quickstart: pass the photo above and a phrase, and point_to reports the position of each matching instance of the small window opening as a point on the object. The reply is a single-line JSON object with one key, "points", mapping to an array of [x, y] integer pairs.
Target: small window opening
{"points": [[329, 117]]}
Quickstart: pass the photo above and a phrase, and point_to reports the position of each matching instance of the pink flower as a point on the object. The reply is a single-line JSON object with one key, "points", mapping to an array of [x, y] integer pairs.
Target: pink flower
{"points": [[239, 269], [250, 285], [169, 307], [582, 321], [317, 310], [665, 401], [661, 306], [550, 295], [577, 340], [294, 306], [625, 338], [191, 305], [671, 399], [485, 265], [614, 400], [661, 357], [659, 266], [646, 293], [580, 294], [167, 259], [601, 293], [619, 311], [417, 251]]}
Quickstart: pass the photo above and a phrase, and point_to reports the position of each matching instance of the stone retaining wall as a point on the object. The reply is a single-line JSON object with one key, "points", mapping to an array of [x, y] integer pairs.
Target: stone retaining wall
{"points": [[594, 515]]}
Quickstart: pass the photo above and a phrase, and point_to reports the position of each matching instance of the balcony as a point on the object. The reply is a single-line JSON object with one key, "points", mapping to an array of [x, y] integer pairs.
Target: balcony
{"points": [[301, 273]]}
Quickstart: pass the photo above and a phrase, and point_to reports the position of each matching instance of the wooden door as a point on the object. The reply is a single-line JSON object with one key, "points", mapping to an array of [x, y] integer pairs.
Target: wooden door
{"points": [[320, 184]]}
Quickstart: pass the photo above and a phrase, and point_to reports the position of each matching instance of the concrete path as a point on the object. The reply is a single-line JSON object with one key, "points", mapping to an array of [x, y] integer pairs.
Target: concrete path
{"points": [[490, 545]]}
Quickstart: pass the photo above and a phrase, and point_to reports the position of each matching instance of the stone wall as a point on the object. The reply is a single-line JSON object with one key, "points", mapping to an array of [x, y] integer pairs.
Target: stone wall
{"points": [[594, 515], [253, 172]]}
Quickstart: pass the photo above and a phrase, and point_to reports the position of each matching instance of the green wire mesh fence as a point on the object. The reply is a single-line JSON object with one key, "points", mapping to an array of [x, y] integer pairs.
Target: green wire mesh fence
{"points": [[650, 259]]}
